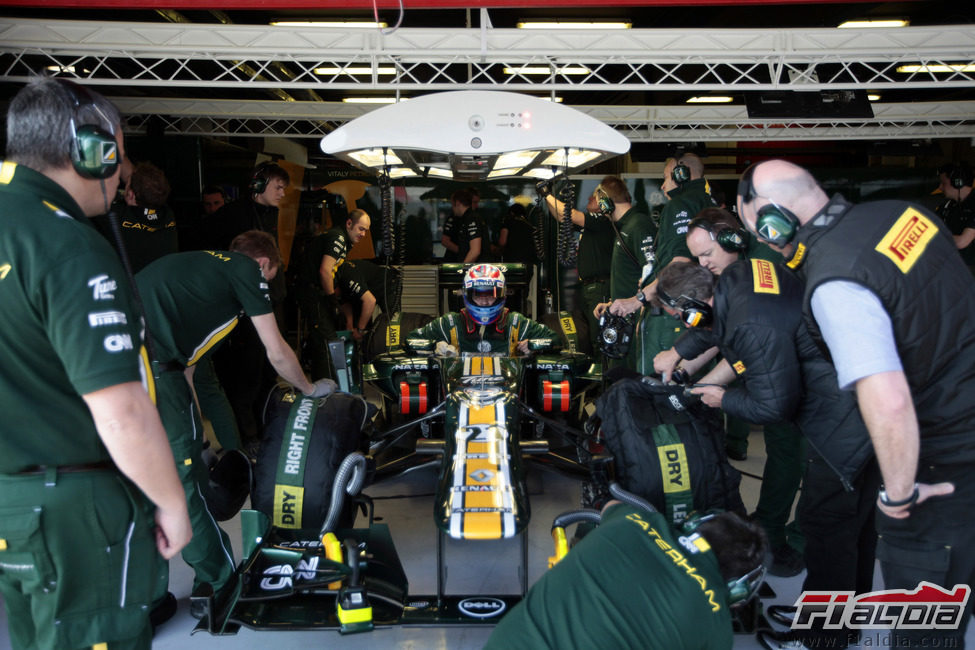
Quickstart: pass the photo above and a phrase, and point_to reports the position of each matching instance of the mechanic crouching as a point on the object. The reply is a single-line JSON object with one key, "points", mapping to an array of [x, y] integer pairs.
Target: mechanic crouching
{"points": [[483, 325]]}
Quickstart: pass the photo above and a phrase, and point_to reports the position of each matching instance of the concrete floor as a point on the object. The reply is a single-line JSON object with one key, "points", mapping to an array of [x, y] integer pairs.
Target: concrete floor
{"points": [[405, 504]]}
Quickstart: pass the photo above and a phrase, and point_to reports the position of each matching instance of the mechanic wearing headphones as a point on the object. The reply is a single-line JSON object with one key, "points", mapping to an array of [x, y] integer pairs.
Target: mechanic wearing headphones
{"points": [[192, 301], [958, 209], [717, 240], [636, 582], [78, 544], [633, 261], [484, 324], [888, 294], [754, 311], [690, 194], [317, 294]]}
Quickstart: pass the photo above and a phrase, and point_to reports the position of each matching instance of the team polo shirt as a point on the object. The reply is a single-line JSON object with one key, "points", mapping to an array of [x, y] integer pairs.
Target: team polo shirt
{"points": [[67, 324], [595, 248], [334, 243], [638, 232], [194, 299]]}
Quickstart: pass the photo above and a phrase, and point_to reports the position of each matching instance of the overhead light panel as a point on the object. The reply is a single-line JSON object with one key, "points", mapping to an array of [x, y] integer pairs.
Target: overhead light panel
{"points": [[355, 69], [937, 67], [869, 24], [545, 70], [573, 25], [476, 135], [873, 97], [356, 24], [715, 99]]}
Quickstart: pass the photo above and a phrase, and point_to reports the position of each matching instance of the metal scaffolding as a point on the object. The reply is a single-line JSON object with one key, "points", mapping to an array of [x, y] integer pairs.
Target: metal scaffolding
{"points": [[419, 60]]}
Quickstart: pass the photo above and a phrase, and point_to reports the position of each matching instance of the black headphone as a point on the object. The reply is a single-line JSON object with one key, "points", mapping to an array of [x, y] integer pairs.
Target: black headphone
{"points": [[740, 589], [261, 177], [94, 151], [773, 223], [680, 174], [733, 240], [605, 204], [959, 174], [693, 312]]}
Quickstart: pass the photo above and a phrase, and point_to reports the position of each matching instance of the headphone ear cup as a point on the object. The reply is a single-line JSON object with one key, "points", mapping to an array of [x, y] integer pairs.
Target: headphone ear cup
{"points": [[606, 205], [259, 182], [776, 224], [733, 240], [95, 153], [680, 174]]}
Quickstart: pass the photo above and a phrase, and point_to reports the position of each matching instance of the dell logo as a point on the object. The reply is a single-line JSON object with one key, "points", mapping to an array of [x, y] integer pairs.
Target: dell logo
{"points": [[481, 607]]}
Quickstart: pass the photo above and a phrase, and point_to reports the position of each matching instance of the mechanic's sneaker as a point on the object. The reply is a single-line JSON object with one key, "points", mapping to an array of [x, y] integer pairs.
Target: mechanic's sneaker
{"points": [[736, 454], [783, 614], [786, 562], [779, 640]]}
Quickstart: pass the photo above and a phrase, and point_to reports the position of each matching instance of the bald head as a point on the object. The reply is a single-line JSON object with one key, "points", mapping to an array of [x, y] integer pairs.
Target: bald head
{"points": [[693, 163], [783, 183]]}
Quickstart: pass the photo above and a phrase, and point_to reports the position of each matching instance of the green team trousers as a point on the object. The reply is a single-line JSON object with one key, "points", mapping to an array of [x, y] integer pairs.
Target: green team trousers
{"points": [[78, 560], [209, 552], [655, 333]]}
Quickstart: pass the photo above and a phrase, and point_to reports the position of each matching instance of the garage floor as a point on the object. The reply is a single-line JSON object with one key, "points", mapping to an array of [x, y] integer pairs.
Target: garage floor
{"points": [[486, 567]]}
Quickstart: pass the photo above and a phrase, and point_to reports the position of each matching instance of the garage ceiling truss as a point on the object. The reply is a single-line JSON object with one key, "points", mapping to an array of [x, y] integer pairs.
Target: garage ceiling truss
{"points": [[419, 60]]}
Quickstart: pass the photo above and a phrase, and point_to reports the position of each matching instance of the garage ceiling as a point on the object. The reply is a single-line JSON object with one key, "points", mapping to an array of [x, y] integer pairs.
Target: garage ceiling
{"points": [[227, 72]]}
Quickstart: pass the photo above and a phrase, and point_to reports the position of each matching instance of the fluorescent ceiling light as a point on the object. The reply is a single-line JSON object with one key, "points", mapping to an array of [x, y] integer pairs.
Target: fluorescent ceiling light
{"points": [[938, 67], [402, 172], [60, 68], [516, 159], [544, 70], [557, 100], [375, 157], [715, 99], [866, 24], [372, 100], [873, 98], [359, 24], [540, 172], [355, 69], [577, 157], [573, 25], [440, 173]]}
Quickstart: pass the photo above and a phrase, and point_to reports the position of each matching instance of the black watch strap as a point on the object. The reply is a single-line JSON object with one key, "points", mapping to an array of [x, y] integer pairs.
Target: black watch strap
{"points": [[910, 500]]}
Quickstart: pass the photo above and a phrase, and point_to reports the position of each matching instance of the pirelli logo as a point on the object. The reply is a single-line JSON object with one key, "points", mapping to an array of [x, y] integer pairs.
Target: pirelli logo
{"points": [[392, 336], [905, 242], [739, 367], [764, 277], [673, 466]]}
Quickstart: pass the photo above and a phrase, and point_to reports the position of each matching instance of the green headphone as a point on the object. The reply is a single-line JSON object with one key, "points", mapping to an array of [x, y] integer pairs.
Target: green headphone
{"points": [[680, 174], [741, 589], [94, 151], [773, 223], [733, 240], [606, 204], [261, 178]]}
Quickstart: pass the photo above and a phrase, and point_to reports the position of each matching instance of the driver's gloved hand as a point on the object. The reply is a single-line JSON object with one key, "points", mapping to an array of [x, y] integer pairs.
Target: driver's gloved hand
{"points": [[324, 387], [445, 349]]}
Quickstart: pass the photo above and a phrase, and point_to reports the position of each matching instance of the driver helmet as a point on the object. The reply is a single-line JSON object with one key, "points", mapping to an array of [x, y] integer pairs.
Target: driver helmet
{"points": [[481, 280]]}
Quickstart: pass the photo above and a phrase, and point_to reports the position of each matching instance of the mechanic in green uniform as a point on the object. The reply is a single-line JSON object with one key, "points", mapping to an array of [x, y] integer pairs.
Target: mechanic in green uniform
{"points": [[362, 287], [317, 297], [595, 253], [192, 301], [79, 437], [634, 258], [635, 582], [146, 223], [483, 325], [689, 194]]}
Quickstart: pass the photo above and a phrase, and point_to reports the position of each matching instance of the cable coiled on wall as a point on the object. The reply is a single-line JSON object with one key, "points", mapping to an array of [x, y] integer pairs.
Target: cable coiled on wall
{"points": [[566, 247]]}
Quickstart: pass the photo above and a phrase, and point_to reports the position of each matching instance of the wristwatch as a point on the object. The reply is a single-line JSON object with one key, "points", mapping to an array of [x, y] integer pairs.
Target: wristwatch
{"points": [[642, 297], [885, 500]]}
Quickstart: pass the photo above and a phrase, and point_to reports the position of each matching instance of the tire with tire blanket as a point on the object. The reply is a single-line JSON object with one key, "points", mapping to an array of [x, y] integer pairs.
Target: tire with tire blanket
{"points": [[305, 441]]}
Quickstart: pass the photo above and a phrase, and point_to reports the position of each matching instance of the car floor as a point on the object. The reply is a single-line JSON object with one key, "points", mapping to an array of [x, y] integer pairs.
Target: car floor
{"points": [[406, 505]]}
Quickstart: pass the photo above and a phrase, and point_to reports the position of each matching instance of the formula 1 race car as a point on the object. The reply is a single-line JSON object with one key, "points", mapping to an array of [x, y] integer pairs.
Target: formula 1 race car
{"points": [[484, 419]]}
